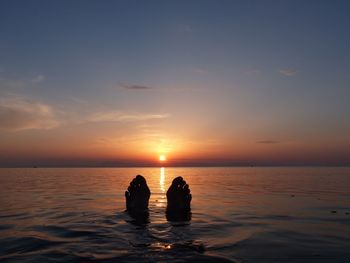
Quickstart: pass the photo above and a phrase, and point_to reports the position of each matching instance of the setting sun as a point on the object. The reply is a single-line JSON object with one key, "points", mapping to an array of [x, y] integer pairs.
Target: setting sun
{"points": [[162, 158]]}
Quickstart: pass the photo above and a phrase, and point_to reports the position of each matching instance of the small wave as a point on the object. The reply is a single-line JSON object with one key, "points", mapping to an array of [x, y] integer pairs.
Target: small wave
{"points": [[21, 245], [63, 232], [17, 216], [6, 227]]}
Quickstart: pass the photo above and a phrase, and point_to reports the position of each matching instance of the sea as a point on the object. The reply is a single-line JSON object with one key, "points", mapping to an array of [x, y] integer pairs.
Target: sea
{"points": [[239, 214]]}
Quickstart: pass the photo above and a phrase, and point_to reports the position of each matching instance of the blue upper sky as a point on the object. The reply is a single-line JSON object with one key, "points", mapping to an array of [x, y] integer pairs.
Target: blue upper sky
{"points": [[235, 79]]}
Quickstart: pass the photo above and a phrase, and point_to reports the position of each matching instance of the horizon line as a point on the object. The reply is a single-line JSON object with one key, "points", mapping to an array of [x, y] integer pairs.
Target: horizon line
{"points": [[176, 166]]}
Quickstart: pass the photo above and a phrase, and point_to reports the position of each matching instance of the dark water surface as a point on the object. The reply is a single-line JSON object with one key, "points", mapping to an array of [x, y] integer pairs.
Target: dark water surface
{"points": [[238, 214]]}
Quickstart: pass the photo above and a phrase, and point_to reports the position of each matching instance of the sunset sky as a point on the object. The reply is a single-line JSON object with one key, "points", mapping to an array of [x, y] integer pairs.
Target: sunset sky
{"points": [[200, 82]]}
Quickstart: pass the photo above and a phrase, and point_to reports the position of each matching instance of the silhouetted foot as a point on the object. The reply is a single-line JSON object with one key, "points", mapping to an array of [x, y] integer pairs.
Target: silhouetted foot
{"points": [[137, 196], [179, 200]]}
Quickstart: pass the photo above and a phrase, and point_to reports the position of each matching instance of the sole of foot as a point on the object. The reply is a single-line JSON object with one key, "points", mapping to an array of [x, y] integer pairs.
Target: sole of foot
{"points": [[179, 198], [137, 195]]}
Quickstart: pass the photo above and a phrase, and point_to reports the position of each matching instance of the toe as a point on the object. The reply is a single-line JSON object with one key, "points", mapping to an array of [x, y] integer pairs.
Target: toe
{"points": [[189, 197], [181, 184], [132, 184], [140, 182], [177, 180], [140, 179], [186, 189]]}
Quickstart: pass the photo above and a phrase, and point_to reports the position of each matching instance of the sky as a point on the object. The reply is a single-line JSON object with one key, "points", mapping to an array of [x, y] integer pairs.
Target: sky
{"points": [[119, 83]]}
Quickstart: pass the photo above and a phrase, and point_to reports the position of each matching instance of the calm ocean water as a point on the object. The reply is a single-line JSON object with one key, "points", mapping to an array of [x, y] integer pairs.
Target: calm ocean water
{"points": [[238, 214]]}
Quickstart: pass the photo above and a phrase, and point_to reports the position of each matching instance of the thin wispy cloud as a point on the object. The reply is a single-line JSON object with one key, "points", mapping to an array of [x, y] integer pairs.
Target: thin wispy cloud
{"points": [[20, 81], [288, 72], [6, 83], [77, 100], [19, 113], [116, 116], [38, 78], [165, 89], [104, 141], [268, 142], [135, 87], [201, 71]]}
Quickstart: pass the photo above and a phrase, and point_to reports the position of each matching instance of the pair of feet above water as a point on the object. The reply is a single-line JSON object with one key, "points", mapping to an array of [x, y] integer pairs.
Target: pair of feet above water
{"points": [[178, 197]]}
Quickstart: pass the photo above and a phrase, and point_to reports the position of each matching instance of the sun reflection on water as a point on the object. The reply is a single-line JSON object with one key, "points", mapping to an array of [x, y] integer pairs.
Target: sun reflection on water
{"points": [[161, 179]]}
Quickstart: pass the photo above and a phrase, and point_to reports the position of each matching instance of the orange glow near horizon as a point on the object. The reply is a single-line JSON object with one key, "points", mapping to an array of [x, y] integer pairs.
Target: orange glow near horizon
{"points": [[175, 150]]}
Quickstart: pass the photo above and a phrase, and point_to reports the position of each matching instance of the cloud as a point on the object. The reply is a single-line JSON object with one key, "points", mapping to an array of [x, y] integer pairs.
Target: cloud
{"points": [[201, 71], [39, 78], [18, 113], [104, 141], [115, 116], [288, 72], [135, 87], [20, 82], [166, 88], [267, 142], [11, 83]]}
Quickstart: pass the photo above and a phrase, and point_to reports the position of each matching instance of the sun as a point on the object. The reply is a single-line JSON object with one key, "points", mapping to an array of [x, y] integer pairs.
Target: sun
{"points": [[162, 158]]}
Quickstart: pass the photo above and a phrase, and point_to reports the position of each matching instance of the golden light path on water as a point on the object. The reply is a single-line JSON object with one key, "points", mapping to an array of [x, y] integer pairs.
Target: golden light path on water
{"points": [[160, 194], [162, 179]]}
